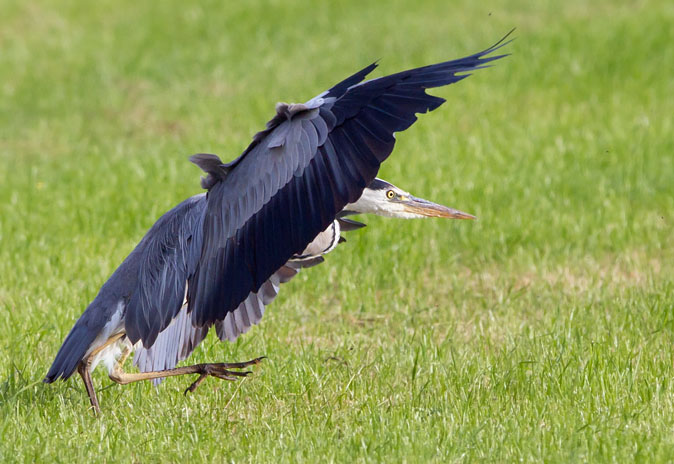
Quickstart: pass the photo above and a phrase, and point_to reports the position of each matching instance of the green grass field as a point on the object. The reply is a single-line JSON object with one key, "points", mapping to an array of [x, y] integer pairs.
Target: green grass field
{"points": [[541, 333]]}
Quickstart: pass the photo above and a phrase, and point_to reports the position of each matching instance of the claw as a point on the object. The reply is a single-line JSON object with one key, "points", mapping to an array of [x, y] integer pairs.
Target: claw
{"points": [[195, 384], [239, 374]]}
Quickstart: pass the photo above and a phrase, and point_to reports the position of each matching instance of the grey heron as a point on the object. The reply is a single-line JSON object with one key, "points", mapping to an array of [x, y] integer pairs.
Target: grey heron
{"points": [[218, 258]]}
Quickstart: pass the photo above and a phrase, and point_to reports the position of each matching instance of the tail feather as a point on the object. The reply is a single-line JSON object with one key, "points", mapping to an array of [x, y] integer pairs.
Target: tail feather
{"points": [[71, 352]]}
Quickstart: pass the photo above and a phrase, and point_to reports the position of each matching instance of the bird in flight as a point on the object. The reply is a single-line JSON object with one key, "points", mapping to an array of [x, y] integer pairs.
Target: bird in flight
{"points": [[218, 258]]}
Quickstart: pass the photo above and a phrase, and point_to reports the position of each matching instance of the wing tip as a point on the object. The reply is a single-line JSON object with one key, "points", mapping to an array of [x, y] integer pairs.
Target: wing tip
{"points": [[341, 88], [502, 42]]}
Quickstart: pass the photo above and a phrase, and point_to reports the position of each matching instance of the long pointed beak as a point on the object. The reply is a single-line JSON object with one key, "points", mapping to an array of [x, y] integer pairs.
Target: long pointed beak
{"points": [[427, 208]]}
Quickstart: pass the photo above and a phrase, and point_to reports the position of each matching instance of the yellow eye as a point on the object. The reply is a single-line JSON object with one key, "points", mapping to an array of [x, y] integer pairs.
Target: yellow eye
{"points": [[390, 194]]}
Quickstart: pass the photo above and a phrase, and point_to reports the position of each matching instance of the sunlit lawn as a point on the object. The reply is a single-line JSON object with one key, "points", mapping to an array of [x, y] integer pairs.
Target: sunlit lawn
{"points": [[541, 332]]}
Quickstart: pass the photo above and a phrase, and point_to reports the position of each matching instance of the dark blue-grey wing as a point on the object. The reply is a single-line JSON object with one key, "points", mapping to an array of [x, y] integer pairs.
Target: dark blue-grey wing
{"points": [[250, 311], [249, 196], [168, 255], [299, 174], [177, 341]]}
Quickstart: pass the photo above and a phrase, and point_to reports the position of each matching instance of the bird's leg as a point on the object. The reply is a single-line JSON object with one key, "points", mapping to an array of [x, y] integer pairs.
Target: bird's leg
{"points": [[83, 370], [219, 370]]}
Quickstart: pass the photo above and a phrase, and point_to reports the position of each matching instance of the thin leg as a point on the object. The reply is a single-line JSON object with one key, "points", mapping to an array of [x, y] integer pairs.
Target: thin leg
{"points": [[219, 370], [84, 366], [83, 370]]}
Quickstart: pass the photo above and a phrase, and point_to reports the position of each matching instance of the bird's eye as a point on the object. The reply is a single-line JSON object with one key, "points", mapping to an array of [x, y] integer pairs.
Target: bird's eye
{"points": [[390, 194]]}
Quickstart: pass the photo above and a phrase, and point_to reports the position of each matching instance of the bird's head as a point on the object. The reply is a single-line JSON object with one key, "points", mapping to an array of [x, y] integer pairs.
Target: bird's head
{"points": [[385, 199]]}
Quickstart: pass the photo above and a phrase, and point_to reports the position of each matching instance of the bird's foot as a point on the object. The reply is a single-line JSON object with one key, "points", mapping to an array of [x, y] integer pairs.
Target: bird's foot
{"points": [[222, 371]]}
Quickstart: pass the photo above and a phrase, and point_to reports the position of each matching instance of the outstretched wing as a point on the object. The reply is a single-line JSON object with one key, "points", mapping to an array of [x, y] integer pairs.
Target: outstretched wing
{"points": [[311, 161]]}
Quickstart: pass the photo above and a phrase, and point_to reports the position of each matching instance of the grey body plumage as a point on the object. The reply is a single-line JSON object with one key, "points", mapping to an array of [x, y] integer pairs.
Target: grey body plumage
{"points": [[218, 259]]}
